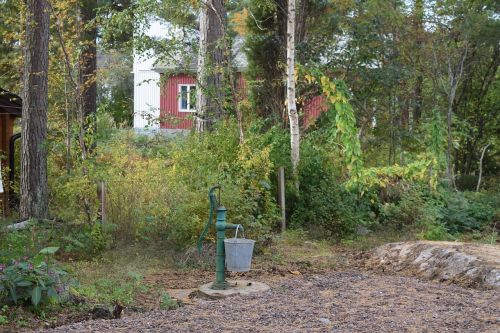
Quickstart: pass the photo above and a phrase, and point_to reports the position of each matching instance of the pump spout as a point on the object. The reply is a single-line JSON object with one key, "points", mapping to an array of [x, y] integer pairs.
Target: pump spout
{"points": [[234, 226], [238, 227]]}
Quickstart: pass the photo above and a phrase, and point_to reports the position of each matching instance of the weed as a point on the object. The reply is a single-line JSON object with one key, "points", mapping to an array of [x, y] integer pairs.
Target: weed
{"points": [[36, 280], [167, 303], [4, 320]]}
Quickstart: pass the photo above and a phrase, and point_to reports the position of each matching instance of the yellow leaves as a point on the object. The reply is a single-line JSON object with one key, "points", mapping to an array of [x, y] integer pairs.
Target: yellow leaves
{"points": [[383, 176], [310, 79], [256, 162], [238, 21]]}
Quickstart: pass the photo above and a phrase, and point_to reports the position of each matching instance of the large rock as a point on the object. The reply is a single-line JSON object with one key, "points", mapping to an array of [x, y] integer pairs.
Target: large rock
{"points": [[473, 265]]}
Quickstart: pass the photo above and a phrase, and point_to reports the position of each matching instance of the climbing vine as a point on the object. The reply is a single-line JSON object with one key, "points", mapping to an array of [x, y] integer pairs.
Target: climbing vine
{"points": [[344, 131], [426, 167]]}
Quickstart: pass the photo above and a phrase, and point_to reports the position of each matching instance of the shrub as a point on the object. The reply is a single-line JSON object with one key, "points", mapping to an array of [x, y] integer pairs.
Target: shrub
{"points": [[465, 211], [157, 188], [466, 182], [431, 220], [407, 205], [331, 208], [36, 280], [324, 206]]}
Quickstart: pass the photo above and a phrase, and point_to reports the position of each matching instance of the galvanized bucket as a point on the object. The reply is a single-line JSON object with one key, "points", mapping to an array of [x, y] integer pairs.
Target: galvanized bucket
{"points": [[238, 253]]}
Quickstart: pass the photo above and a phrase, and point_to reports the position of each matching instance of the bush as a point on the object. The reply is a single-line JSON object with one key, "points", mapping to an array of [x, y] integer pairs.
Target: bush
{"points": [[331, 208], [324, 206], [407, 205], [36, 280], [466, 182], [466, 211], [157, 188]]}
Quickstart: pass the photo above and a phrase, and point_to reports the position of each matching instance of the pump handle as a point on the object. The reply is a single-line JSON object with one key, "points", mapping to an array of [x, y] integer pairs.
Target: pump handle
{"points": [[213, 203]]}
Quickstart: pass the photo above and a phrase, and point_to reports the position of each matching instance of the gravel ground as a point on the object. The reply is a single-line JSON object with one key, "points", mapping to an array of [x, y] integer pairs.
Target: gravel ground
{"points": [[348, 301]]}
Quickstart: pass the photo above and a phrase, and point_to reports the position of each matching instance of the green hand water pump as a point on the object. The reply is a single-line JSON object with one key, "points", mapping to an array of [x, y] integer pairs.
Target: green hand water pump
{"points": [[220, 226]]}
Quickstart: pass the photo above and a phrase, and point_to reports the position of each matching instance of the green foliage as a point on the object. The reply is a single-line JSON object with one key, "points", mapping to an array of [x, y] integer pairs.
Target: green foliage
{"points": [[9, 48], [36, 280], [98, 238], [115, 89], [434, 140], [157, 188], [466, 212], [337, 96], [331, 208], [265, 50], [4, 320], [167, 303], [405, 207], [436, 231], [109, 290], [441, 215]]}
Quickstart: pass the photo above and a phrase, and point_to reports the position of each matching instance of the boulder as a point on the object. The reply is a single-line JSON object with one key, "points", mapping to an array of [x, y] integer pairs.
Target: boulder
{"points": [[472, 265]]}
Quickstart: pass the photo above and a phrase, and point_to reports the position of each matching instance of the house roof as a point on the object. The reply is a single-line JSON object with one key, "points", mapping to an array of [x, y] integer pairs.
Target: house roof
{"points": [[187, 61], [10, 103]]}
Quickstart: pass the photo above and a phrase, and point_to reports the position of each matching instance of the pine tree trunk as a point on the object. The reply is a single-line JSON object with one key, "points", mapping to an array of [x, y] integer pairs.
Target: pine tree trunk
{"points": [[34, 188], [418, 22], [290, 85], [212, 59], [88, 57]]}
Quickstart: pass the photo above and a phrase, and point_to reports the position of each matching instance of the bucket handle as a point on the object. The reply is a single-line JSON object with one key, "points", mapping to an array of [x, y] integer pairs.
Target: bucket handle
{"points": [[236, 232]]}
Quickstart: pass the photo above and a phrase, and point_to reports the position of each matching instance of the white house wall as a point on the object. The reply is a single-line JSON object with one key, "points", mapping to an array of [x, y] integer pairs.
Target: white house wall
{"points": [[146, 83], [146, 99]]}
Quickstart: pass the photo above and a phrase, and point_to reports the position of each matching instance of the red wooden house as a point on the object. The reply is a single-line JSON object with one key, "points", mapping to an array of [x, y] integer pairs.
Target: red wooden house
{"points": [[159, 94]]}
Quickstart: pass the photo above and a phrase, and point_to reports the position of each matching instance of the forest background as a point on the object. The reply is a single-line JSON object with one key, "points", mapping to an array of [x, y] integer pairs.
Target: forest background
{"points": [[409, 145]]}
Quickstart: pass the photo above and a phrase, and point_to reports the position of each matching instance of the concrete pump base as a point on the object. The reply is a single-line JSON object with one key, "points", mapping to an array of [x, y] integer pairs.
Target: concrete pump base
{"points": [[237, 287]]}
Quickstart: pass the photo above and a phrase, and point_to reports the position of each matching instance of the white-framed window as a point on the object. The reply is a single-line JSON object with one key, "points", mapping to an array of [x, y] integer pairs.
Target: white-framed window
{"points": [[187, 97]]}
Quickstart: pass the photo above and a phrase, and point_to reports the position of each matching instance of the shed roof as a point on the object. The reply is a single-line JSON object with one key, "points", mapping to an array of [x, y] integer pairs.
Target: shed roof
{"points": [[10, 103]]}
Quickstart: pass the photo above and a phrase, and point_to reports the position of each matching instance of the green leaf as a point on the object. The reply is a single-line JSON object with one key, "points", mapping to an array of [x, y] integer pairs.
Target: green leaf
{"points": [[24, 283], [38, 260], [41, 282], [13, 294], [49, 250], [36, 295]]}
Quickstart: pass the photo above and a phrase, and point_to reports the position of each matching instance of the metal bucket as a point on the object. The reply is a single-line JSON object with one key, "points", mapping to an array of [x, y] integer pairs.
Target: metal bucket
{"points": [[238, 254]]}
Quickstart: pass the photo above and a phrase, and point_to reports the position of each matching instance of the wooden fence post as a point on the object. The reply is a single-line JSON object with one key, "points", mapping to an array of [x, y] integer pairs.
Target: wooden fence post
{"points": [[281, 196]]}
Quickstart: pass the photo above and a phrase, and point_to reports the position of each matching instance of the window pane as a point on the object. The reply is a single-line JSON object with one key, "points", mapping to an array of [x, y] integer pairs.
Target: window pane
{"points": [[184, 97], [192, 97]]}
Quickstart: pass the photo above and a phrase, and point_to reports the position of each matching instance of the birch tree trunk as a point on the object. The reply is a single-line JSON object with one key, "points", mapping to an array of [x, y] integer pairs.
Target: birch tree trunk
{"points": [[290, 85], [481, 167], [34, 188], [454, 77], [212, 59]]}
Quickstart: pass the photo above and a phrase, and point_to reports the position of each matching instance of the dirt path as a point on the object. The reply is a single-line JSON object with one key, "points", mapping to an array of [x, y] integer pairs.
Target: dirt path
{"points": [[345, 301]]}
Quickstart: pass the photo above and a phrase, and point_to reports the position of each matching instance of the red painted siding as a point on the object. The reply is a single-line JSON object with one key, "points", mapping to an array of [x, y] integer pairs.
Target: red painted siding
{"points": [[241, 87], [313, 108], [172, 118]]}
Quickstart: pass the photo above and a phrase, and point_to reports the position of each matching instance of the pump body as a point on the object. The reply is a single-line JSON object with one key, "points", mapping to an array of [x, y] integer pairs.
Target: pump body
{"points": [[220, 227]]}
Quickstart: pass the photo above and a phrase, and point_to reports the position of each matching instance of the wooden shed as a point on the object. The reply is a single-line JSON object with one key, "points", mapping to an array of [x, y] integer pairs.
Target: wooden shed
{"points": [[10, 109]]}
